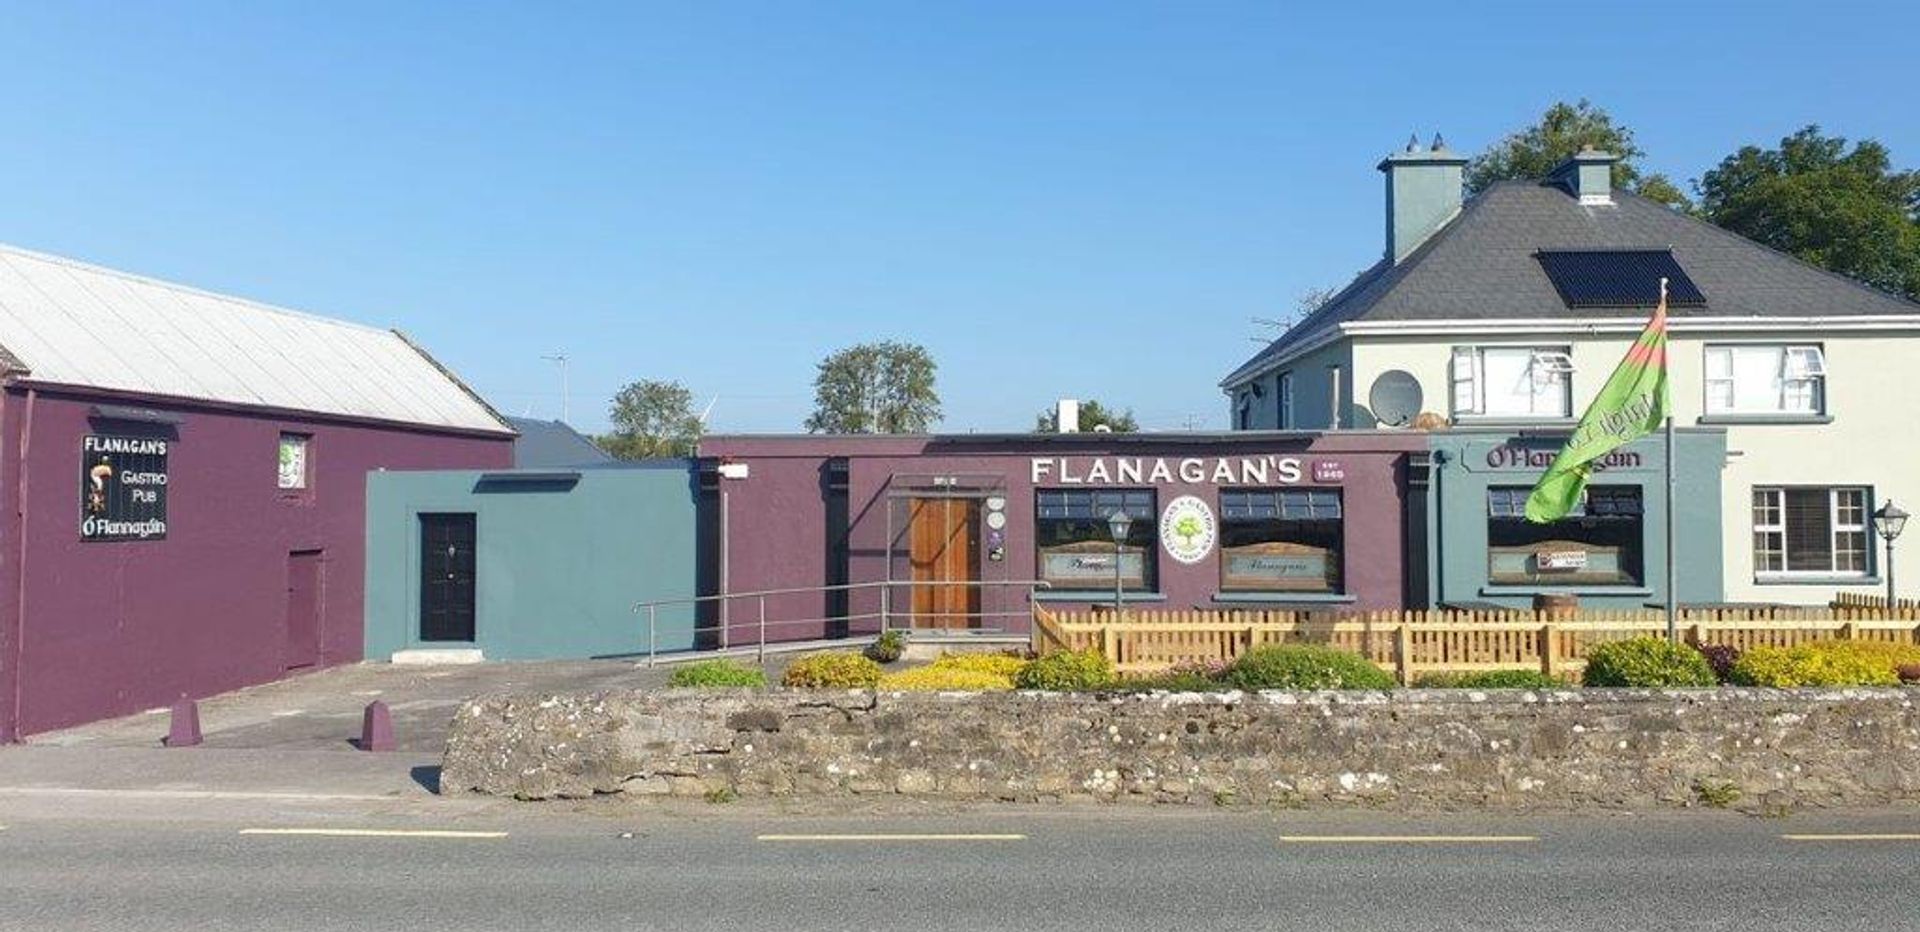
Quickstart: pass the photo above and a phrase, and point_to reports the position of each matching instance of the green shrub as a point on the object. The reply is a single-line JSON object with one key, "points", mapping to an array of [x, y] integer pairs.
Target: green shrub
{"points": [[1066, 671], [1305, 666], [716, 673], [1173, 681], [1824, 663], [888, 647], [836, 670], [1646, 662], [1490, 679], [1718, 794]]}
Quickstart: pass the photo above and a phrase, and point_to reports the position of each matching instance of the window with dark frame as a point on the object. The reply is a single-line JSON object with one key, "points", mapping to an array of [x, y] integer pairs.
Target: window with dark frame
{"points": [[1601, 542], [1812, 531], [1284, 399], [1281, 540], [1074, 547]]}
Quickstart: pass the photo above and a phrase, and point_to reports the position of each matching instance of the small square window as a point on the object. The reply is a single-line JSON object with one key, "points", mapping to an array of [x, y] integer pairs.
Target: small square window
{"points": [[293, 461]]}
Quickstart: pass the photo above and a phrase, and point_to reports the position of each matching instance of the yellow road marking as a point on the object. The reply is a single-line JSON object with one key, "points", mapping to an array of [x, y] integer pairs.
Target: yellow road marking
{"points": [[186, 794], [1406, 839], [372, 832], [902, 836], [1882, 836]]}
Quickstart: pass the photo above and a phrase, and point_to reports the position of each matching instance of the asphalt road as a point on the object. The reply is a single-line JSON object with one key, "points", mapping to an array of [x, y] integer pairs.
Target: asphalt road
{"points": [[1096, 868]]}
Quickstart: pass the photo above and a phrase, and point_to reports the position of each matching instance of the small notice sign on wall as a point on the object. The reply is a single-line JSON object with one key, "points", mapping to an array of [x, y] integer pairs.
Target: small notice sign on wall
{"points": [[123, 488]]}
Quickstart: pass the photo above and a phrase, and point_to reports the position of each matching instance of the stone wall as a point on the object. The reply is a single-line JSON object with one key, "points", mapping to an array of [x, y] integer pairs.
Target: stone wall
{"points": [[1410, 749]]}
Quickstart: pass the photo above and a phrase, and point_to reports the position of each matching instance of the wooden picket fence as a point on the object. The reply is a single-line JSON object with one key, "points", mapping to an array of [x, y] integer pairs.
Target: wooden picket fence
{"points": [[1413, 642], [1856, 601]]}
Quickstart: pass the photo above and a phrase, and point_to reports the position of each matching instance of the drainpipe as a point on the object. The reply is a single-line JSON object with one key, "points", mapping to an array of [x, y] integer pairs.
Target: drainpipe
{"points": [[12, 726]]}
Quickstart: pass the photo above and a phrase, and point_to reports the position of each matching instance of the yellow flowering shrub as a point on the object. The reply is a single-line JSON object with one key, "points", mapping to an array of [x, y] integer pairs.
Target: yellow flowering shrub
{"points": [[835, 670], [1825, 663], [1006, 665], [959, 672]]}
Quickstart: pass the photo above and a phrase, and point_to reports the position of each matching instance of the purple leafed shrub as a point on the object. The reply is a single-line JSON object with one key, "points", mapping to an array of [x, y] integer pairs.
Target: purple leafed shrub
{"points": [[1910, 673], [1721, 657]]}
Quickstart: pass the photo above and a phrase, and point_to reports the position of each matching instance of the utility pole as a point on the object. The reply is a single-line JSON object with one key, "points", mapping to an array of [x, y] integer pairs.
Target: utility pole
{"points": [[561, 360]]}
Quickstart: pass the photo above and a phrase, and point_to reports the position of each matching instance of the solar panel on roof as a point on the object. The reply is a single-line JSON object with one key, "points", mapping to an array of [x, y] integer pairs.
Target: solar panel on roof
{"points": [[1618, 277]]}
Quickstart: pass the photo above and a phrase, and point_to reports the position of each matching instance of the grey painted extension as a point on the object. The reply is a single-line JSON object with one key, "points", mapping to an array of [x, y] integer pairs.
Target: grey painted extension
{"points": [[557, 560]]}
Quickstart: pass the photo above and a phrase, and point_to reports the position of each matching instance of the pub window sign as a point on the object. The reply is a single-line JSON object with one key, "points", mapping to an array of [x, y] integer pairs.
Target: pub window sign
{"points": [[123, 488]]}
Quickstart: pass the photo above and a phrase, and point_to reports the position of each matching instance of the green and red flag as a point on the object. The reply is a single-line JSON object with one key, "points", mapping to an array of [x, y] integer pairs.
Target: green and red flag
{"points": [[1630, 406]]}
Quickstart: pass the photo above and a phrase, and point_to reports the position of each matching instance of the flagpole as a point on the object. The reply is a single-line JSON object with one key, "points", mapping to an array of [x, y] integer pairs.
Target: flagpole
{"points": [[1673, 585]]}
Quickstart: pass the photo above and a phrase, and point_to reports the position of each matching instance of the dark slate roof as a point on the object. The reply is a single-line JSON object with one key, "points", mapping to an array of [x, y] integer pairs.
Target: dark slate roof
{"points": [[549, 444], [1481, 266]]}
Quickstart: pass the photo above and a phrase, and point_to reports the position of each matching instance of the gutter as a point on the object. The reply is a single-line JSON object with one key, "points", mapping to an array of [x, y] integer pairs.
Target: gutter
{"points": [[1879, 323], [235, 407]]}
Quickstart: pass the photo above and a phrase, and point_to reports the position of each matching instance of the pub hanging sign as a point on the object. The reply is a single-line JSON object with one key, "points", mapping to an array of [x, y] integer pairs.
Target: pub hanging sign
{"points": [[123, 488]]}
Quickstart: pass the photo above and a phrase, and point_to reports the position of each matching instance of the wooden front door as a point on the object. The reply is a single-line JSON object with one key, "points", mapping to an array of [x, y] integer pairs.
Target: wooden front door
{"points": [[944, 547], [446, 577], [303, 609]]}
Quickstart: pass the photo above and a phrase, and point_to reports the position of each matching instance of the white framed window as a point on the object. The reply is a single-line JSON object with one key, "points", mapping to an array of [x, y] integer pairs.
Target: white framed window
{"points": [[1811, 531], [1754, 378], [293, 461], [1285, 402], [1513, 381]]}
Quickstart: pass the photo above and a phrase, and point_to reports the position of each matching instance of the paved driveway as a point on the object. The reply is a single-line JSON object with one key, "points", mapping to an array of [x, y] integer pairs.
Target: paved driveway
{"points": [[322, 710]]}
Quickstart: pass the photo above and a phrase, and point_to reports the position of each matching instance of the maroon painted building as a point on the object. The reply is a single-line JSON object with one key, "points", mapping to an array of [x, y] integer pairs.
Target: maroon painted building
{"points": [[951, 527], [182, 485]]}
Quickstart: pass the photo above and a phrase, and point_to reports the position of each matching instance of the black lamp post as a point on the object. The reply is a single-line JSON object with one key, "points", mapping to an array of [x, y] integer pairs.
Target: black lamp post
{"points": [[1889, 520], [1118, 524]]}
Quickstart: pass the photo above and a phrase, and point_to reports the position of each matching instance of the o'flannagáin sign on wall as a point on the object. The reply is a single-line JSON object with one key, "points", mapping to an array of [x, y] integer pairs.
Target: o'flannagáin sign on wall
{"points": [[123, 488]]}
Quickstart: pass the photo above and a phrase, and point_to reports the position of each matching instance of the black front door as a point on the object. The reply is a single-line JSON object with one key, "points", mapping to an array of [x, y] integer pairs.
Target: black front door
{"points": [[446, 577]]}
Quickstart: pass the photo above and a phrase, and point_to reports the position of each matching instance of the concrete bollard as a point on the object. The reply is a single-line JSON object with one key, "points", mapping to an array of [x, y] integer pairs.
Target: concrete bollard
{"points": [[184, 729], [376, 727]]}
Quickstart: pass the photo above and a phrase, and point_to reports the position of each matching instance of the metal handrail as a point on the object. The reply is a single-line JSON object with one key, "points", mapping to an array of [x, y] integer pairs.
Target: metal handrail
{"points": [[885, 588]]}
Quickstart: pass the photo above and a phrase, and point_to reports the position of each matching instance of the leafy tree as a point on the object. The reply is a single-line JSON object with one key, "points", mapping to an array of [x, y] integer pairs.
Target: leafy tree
{"points": [[1847, 211], [1091, 413], [651, 418], [875, 388], [1563, 130]]}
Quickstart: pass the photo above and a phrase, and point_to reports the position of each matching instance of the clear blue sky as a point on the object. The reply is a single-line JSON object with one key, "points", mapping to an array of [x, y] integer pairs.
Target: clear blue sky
{"points": [[1085, 199]]}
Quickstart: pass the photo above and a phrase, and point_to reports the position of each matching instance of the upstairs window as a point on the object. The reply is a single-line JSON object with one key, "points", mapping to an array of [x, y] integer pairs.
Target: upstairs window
{"points": [[1285, 395], [1766, 379], [293, 461], [1512, 381]]}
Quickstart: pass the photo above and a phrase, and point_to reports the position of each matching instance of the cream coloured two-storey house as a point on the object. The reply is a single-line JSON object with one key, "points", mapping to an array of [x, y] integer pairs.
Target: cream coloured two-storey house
{"points": [[1507, 311]]}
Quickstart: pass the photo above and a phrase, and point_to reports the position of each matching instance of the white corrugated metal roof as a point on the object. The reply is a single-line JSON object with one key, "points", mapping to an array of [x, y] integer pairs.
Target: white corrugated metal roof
{"points": [[78, 324]]}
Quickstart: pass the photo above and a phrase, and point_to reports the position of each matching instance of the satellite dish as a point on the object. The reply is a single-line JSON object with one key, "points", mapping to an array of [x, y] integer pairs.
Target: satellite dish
{"points": [[1395, 397]]}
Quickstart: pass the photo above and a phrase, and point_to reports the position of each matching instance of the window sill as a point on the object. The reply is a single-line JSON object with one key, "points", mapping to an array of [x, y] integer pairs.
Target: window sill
{"points": [[1549, 423], [1566, 590], [1094, 595], [1817, 580], [1723, 420], [1334, 598]]}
